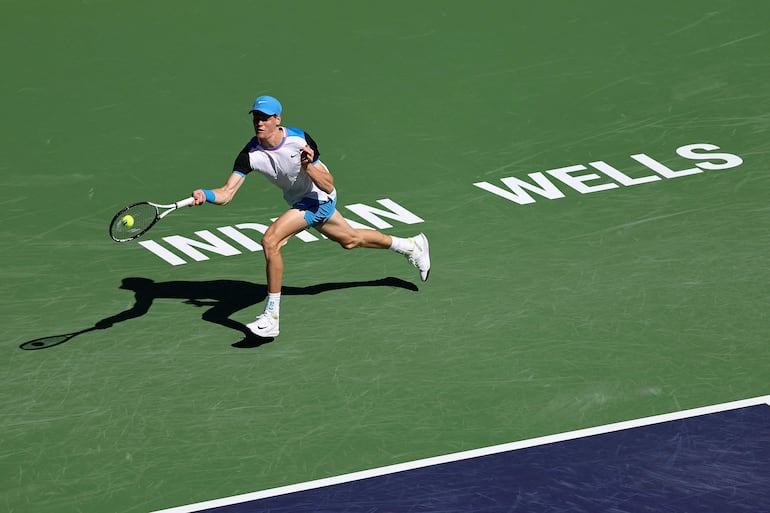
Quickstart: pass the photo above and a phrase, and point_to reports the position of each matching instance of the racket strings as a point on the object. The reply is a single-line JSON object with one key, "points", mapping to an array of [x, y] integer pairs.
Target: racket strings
{"points": [[143, 216]]}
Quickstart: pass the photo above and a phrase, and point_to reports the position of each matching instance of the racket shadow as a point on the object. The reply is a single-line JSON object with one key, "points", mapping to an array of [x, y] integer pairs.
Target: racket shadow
{"points": [[222, 298], [55, 340]]}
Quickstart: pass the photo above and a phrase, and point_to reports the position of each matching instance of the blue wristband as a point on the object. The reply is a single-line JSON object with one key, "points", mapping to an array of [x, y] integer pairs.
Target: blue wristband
{"points": [[210, 196]]}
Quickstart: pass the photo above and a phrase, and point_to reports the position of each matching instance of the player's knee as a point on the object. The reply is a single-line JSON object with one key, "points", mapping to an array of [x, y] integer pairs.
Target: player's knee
{"points": [[270, 244]]}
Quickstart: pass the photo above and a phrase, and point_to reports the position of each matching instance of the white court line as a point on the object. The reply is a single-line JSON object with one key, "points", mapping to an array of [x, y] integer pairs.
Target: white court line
{"points": [[475, 453]]}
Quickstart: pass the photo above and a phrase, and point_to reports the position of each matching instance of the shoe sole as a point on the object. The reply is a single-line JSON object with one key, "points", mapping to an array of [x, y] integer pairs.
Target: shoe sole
{"points": [[427, 251], [263, 335]]}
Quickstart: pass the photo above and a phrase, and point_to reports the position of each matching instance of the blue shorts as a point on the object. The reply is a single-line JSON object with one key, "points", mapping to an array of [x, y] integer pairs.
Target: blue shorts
{"points": [[316, 213]]}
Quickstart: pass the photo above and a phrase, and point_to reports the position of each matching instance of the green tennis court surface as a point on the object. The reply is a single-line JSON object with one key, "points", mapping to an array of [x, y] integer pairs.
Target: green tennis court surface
{"points": [[631, 283]]}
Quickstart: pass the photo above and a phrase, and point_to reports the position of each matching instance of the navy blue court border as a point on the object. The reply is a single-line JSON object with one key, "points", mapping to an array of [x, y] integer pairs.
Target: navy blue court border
{"points": [[252, 501]]}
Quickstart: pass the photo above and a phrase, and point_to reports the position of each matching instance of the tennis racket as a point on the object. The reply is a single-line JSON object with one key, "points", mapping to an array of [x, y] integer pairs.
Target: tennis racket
{"points": [[134, 220]]}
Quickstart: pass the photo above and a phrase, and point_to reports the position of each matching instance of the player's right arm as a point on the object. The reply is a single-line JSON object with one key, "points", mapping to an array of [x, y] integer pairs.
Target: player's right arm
{"points": [[221, 195], [224, 195]]}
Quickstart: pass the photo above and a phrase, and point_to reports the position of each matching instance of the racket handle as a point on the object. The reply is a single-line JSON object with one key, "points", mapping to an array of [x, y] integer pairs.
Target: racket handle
{"points": [[185, 202]]}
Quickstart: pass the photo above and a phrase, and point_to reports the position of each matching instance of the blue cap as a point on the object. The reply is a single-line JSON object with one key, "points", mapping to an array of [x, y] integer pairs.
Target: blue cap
{"points": [[268, 105]]}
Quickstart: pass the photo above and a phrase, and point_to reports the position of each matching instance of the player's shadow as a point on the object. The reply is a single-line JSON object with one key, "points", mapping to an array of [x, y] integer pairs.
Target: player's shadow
{"points": [[223, 298]]}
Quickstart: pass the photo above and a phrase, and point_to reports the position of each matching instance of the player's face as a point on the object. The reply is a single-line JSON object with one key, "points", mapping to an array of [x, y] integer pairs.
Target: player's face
{"points": [[265, 126]]}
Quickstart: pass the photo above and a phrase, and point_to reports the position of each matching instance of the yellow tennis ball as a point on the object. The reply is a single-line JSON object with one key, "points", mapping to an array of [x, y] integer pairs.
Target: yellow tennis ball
{"points": [[128, 221]]}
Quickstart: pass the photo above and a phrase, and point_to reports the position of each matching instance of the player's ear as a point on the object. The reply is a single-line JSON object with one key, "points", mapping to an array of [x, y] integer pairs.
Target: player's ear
{"points": [[278, 119]]}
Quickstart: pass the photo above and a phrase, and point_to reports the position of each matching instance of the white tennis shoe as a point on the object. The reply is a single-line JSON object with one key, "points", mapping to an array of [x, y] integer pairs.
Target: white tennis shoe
{"points": [[264, 326], [420, 255]]}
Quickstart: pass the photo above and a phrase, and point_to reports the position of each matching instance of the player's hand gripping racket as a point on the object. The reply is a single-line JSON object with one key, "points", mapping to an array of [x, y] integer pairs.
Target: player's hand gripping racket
{"points": [[134, 220]]}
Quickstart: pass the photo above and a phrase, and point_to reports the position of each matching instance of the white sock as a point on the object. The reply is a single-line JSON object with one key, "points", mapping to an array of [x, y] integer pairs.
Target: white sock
{"points": [[273, 304], [402, 246]]}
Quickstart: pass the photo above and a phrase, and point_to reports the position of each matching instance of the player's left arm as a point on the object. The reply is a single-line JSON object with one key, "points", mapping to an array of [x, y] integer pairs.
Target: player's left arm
{"points": [[316, 170], [319, 173]]}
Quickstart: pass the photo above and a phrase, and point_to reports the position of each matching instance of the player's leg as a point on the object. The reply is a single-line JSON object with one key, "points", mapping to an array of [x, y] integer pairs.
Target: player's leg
{"points": [[289, 224], [415, 249], [338, 230]]}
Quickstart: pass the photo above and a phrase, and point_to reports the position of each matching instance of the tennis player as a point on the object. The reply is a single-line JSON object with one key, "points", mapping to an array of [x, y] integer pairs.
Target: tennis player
{"points": [[289, 158]]}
